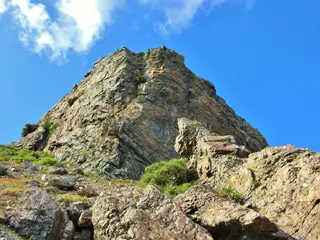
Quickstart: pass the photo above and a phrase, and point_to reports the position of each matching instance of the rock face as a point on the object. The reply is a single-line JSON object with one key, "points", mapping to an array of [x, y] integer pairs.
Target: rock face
{"points": [[39, 217], [63, 182], [148, 214], [211, 156], [225, 219], [123, 115], [283, 183]]}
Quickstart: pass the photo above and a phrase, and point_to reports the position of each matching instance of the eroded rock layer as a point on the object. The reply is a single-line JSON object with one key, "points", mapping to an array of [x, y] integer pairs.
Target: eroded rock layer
{"points": [[123, 115], [282, 183]]}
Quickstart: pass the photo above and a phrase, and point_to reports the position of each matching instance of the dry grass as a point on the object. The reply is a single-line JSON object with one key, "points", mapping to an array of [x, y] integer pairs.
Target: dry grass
{"points": [[14, 192], [69, 197]]}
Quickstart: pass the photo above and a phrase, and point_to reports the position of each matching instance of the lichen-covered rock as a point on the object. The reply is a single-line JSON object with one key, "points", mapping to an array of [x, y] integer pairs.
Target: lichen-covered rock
{"points": [[283, 183], [288, 188], [211, 156], [63, 182], [146, 214], [85, 220], [225, 219], [87, 192], [123, 115], [38, 217], [58, 171]]}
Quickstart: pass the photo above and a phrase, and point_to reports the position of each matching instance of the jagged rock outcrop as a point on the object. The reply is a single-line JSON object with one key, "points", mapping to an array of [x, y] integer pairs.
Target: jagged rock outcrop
{"points": [[212, 156], [146, 214], [283, 183], [123, 115], [225, 219], [39, 217]]}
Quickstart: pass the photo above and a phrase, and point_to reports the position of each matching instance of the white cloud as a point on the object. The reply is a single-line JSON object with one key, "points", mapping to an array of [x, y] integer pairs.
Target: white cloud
{"points": [[179, 14], [75, 25], [3, 6], [79, 23]]}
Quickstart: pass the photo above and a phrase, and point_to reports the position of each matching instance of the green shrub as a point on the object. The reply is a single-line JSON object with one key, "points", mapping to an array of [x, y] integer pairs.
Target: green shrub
{"points": [[49, 126], [18, 156], [171, 177], [231, 193], [47, 161], [172, 190], [29, 128]]}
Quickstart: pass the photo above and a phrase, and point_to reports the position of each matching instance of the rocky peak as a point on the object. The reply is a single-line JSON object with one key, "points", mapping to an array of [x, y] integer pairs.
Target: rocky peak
{"points": [[123, 115]]}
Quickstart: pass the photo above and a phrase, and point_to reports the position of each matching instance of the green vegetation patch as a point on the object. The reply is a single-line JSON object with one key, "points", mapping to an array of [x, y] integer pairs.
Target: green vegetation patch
{"points": [[230, 192], [29, 128], [171, 177], [9, 153], [49, 126]]}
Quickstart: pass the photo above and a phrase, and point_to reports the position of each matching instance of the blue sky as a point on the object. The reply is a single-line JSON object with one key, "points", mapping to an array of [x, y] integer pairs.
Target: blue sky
{"points": [[262, 56]]}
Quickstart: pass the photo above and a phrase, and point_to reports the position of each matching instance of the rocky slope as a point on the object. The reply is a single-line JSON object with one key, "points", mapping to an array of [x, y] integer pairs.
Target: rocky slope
{"points": [[129, 112], [123, 114], [283, 183]]}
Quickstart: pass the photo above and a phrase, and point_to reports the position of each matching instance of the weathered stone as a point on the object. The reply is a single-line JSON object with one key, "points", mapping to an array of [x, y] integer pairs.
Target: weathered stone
{"points": [[45, 178], [58, 171], [288, 188], [225, 219], [28, 167], [87, 192], [7, 234], [283, 183], [123, 115], [77, 171], [85, 220], [211, 156], [63, 182], [14, 169], [75, 210], [131, 213], [38, 217]]}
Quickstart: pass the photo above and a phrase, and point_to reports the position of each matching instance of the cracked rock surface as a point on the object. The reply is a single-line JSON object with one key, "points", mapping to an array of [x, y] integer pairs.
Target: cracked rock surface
{"points": [[123, 115]]}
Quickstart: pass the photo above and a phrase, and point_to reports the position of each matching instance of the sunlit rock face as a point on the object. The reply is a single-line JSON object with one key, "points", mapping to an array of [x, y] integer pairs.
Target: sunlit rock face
{"points": [[123, 115]]}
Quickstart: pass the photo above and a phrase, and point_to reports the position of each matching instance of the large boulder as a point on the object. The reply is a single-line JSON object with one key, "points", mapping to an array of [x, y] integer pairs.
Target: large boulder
{"points": [[283, 183], [145, 214], [39, 217], [123, 115], [225, 219], [287, 189], [66, 183], [211, 156]]}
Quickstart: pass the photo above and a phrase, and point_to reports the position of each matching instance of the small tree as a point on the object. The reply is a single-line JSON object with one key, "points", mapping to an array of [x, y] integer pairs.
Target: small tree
{"points": [[29, 128], [171, 177]]}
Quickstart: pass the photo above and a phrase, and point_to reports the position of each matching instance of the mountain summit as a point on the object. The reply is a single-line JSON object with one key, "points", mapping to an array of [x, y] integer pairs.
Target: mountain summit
{"points": [[123, 115]]}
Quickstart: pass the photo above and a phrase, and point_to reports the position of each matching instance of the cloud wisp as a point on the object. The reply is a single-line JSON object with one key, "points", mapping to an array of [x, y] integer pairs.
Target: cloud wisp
{"points": [[179, 14], [3, 6], [75, 25]]}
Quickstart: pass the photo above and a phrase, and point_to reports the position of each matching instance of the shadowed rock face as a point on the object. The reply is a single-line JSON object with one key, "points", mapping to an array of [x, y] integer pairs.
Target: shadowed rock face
{"points": [[123, 115]]}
